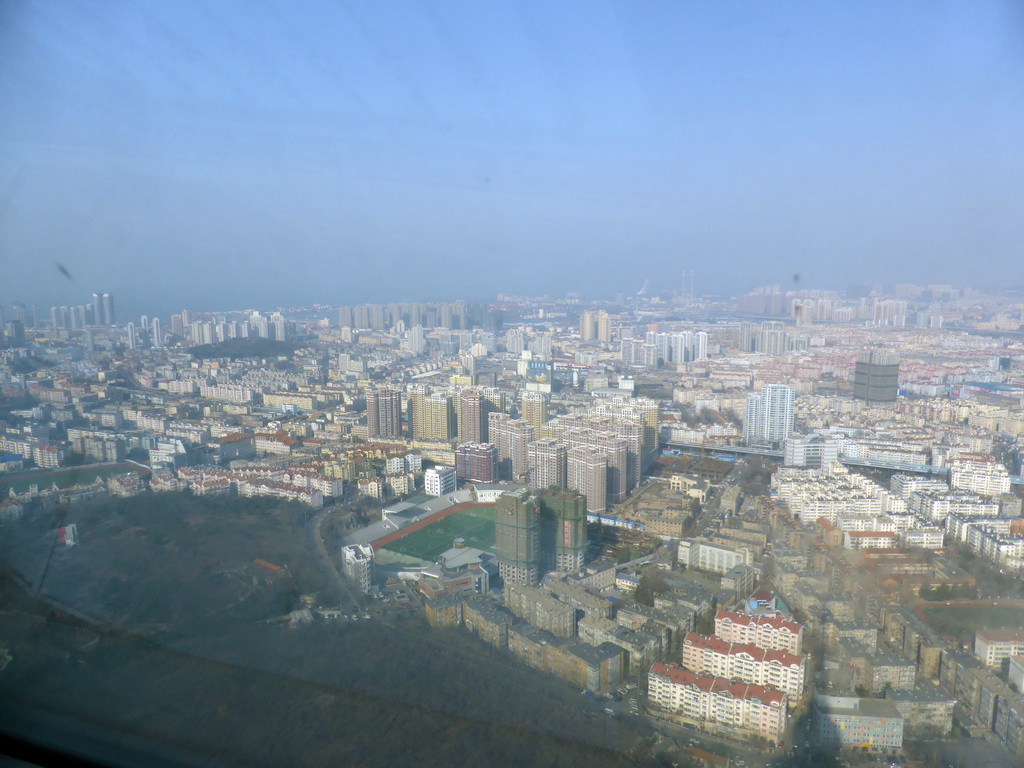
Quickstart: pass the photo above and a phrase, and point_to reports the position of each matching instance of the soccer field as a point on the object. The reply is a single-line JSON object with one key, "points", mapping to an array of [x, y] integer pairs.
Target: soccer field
{"points": [[475, 526]]}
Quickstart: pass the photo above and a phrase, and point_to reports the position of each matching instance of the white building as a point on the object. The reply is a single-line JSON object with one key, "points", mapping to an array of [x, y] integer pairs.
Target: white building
{"points": [[811, 451], [994, 646], [769, 416], [713, 700], [929, 538], [959, 527], [938, 505], [904, 485], [829, 492], [870, 539], [773, 633], [979, 473], [748, 663], [713, 558], [357, 564], [440, 480]]}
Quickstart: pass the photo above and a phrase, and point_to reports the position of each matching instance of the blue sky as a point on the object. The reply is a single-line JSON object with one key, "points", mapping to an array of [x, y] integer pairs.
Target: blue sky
{"points": [[230, 154]]}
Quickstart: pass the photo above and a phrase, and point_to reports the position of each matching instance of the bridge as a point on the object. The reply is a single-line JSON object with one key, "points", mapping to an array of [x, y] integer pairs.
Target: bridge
{"points": [[849, 461]]}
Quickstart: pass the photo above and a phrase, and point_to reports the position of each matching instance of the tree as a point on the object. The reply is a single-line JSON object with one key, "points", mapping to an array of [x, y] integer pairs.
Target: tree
{"points": [[652, 583]]}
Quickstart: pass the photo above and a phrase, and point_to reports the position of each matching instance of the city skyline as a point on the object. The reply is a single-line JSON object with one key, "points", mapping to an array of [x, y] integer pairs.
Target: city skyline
{"points": [[799, 307]]}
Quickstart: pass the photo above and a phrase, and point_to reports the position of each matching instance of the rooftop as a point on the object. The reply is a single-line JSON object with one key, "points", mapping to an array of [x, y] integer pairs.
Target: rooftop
{"points": [[719, 685], [854, 707], [1000, 635]]}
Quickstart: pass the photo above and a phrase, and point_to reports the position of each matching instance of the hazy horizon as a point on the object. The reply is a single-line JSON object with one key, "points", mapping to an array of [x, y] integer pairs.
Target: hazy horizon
{"points": [[239, 155]]}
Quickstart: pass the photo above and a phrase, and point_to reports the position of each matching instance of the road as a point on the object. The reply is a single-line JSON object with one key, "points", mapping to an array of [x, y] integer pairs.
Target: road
{"points": [[314, 537], [753, 756]]}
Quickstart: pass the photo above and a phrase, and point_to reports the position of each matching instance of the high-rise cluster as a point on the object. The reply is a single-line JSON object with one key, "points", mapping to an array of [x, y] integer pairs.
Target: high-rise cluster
{"points": [[539, 532]]}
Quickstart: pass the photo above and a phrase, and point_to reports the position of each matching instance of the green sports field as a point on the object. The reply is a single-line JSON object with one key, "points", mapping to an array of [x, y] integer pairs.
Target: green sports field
{"points": [[476, 526]]}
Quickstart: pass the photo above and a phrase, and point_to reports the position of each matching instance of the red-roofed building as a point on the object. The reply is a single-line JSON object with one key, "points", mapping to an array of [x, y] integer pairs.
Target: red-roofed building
{"points": [[707, 699], [746, 662], [773, 633]]}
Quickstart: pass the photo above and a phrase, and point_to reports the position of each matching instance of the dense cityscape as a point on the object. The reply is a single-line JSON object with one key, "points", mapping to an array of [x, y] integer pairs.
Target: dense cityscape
{"points": [[781, 528]]}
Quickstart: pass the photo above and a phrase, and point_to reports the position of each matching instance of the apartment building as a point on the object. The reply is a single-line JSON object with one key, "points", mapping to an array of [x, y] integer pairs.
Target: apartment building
{"points": [[753, 665], [772, 633], [995, 646], [979, 473], [869, 724], [711, 557], [438, 481], [713, 700]]}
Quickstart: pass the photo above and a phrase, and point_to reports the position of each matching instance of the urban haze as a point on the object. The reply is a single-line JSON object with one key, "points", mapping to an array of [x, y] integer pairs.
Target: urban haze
{"points": [[512, 384]]}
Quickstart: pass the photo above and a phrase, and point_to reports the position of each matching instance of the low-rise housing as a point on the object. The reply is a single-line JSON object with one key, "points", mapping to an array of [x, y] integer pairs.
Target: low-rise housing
{"points": [[993, 647], [869, 724]]}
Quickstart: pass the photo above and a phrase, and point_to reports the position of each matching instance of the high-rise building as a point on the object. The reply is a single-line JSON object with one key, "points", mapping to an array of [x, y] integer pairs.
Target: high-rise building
{"points": [[876, 377], [535, 409], [520, 435], [596, 326], [156, 337], [417, 411], [769, 417], [439, 417], [417, 340], [700, 345], [771, 340], [472, 424], [279, 327], [383, 413], [345, 317], [378, 319], [477, 462], [547, 463], [517, 537], [14, 331], [650, 419], [102, 309], [132, 342], [587, 473], [431, 413], [361, 316], [107, 304], [496, 402], [512, 438], [563, 531]]}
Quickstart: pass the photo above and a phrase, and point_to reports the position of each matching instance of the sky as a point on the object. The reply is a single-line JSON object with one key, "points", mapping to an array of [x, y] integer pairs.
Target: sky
{"points": [[236, 154]]}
